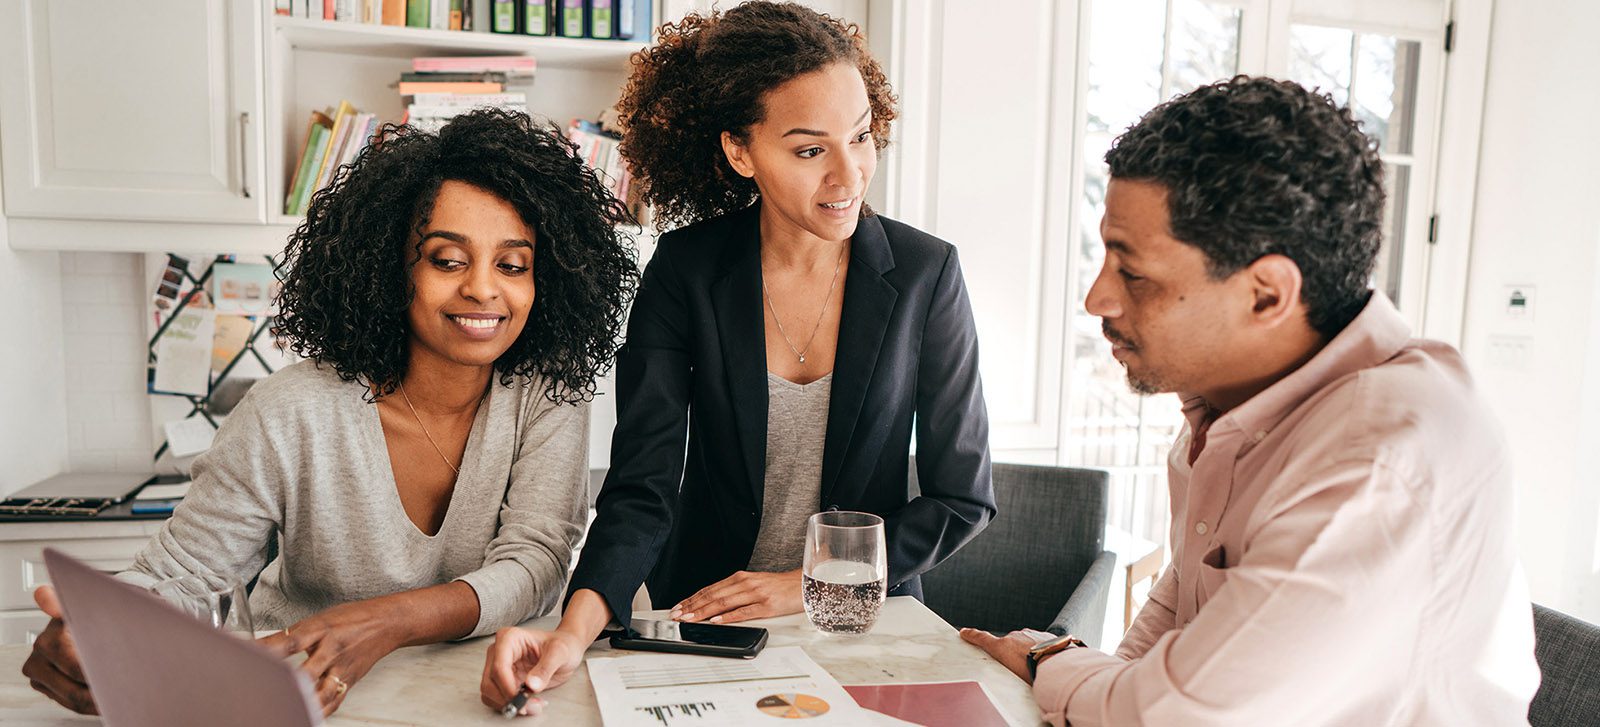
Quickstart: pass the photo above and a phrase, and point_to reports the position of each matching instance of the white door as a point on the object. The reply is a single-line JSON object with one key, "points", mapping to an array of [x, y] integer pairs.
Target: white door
{"points": [[131, 110]]}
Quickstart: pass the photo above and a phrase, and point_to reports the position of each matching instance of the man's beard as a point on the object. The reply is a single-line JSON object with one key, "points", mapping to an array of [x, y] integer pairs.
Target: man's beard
{"points": [[1143, 386]]}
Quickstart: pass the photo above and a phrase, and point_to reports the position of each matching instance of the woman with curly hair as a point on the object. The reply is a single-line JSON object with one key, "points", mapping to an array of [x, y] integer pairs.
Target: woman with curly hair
{"points": [[785, 346], [422, 476]]}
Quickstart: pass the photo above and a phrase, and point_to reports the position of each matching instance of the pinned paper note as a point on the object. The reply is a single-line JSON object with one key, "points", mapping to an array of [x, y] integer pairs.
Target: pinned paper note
{"points": [[242, 288], [189, 437], [183, 357], [232, 333]]}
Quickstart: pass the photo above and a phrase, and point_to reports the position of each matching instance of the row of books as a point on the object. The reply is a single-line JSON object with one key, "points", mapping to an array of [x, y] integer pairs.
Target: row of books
{"points": [[598, 147], [333, 139], [437, 14], [598, 19]]}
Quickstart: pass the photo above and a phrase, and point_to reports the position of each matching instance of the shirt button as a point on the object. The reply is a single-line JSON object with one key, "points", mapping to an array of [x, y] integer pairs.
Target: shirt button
{"points": [[1200, 527]]}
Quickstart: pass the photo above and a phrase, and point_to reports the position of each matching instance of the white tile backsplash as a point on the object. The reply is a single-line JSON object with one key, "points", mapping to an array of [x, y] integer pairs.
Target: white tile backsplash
{"points": [[104, 304]]}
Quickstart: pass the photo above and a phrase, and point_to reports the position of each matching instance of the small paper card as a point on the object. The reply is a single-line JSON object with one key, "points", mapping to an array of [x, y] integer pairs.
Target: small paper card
{"points": [[189, 437], [183, 357], [242, 288]]}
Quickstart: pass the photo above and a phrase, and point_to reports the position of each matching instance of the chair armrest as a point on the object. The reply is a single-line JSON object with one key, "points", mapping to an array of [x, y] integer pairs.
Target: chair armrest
{"points": [[1084, 614]]}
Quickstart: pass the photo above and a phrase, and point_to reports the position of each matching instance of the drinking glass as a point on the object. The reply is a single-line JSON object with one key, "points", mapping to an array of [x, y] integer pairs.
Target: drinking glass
{"points": [[846, 571], [214, 599]]}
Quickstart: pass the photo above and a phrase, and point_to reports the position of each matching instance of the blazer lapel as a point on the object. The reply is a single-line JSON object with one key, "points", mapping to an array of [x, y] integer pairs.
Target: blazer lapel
{"points": [[868, 303], [736, 300]]}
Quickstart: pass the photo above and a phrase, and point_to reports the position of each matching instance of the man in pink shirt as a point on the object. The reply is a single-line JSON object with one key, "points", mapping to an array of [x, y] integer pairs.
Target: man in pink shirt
{"points": [[1341, 497]]}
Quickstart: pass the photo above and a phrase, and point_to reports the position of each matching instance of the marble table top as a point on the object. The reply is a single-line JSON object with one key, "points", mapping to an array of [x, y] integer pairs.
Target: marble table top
{"points": [[438, 684]]}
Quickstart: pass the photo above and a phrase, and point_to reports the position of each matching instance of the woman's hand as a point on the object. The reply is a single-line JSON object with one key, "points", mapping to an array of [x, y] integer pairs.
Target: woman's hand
{"points": [[52, 669], [537, 660], [743, 596], [341, 645]]}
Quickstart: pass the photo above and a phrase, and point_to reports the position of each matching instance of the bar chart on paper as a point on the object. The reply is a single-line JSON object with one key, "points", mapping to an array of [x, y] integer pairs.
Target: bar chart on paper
{"points": [[671, 690]]}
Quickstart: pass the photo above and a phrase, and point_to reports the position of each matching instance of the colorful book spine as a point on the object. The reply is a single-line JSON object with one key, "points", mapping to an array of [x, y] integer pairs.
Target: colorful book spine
{"points": [[300, 193], [570, 24], [603, 19], [412, 88], [417, 13], [503, 16], [536, 17], [394, 12]]}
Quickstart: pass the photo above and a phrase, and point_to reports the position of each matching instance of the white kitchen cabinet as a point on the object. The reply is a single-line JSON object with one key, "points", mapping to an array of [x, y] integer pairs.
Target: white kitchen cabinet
{"points": [[132, 110], [107, 546]]}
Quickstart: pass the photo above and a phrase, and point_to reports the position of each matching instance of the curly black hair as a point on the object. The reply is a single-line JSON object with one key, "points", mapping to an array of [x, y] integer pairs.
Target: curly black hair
{"points": [[347, 277], [1256, 166], [708, 74]]}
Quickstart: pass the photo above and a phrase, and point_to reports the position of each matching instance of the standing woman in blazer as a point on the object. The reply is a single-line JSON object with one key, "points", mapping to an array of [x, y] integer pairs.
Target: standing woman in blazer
{"points": [[795, 339]]}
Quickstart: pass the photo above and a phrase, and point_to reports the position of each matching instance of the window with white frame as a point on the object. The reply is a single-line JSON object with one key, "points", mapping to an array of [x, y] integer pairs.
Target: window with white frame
{"points": [[1384, 59]]}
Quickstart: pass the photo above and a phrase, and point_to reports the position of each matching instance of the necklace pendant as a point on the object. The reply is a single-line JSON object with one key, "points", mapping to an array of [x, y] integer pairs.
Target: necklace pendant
{"points": [[802, 359]]}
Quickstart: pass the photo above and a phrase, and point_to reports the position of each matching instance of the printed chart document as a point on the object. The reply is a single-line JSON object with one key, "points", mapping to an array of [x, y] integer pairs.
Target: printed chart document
{"points": [[673, 690]]}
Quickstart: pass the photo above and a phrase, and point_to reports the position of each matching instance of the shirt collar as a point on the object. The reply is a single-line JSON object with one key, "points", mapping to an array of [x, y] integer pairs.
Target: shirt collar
{"points": [[1375, 336]]}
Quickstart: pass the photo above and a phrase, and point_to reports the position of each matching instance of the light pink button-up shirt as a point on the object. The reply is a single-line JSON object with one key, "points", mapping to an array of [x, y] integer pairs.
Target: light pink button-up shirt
{"points": [[1342, 555]]}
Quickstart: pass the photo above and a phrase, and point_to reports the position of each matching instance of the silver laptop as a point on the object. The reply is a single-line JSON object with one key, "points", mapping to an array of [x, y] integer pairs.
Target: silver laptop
{"points": [[150, 665]]}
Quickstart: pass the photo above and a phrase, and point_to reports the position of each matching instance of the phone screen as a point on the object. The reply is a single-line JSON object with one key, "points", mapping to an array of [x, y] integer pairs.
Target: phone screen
{"points": [[738, 637]]}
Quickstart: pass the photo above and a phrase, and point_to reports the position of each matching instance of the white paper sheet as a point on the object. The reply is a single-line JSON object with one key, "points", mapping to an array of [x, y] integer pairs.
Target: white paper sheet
{"points": [[782, 686]]}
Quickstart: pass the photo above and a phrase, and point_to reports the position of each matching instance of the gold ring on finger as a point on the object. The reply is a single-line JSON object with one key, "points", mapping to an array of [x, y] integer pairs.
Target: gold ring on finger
{"points": [[339, 687]]}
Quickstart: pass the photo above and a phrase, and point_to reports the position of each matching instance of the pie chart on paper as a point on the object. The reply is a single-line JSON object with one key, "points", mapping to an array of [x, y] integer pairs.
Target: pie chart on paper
{"points": [[792, 706]]}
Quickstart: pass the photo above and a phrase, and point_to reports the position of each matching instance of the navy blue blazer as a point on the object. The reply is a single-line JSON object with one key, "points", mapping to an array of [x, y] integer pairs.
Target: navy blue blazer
{"points": [[694, 365]]}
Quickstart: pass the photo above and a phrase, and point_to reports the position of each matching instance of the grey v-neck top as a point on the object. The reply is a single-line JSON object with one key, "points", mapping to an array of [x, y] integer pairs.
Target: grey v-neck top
{"points": [[304, 455], [797, 425]]}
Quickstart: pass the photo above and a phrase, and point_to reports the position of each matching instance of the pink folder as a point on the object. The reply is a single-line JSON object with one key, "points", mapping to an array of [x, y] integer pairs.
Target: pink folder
{"points": [[939, 704]]}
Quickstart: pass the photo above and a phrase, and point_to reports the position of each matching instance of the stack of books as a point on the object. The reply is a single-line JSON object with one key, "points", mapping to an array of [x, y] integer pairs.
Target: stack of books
{"points": [[598, 19], [598, 148], [438, 89], [333, 139]]}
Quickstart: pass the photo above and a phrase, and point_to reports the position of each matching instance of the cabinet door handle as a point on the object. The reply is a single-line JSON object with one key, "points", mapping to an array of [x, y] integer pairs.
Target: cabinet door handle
{"points": [[244, 155]]}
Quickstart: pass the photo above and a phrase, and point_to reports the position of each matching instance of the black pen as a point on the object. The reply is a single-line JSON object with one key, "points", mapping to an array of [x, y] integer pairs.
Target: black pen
{"points": [[516, 703]]}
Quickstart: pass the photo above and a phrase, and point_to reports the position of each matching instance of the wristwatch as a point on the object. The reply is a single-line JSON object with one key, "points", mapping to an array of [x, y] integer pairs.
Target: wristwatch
{"points": [[1046, 648]]}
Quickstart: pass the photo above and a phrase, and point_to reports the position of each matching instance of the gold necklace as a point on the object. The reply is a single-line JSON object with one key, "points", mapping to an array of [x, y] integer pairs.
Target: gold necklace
{"points": [[802, 352], [425, 431]]}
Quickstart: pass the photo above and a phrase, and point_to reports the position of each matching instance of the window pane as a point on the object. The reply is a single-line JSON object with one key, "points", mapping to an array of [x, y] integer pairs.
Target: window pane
{"points": [[1125, 42], [1110, 426], [1320, 58], [1385, 90], [1386, 275], [1205, 44]]}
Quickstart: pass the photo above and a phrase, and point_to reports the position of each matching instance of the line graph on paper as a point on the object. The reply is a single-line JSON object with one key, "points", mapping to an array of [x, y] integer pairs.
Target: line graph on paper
{"points": [[670, 715], [718, 672]]}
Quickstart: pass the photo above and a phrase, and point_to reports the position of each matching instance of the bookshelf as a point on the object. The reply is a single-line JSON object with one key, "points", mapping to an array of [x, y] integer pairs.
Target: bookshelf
{"points": [[199, 162], [402, 42]]}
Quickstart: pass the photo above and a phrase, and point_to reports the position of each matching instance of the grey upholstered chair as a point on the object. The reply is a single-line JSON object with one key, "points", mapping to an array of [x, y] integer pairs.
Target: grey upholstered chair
{"points": [[1040, 564], [1568, 652]]}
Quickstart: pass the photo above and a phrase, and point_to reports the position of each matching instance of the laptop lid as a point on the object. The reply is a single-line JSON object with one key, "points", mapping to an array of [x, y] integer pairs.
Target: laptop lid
{"points": [[150, 665], [114, 486]]}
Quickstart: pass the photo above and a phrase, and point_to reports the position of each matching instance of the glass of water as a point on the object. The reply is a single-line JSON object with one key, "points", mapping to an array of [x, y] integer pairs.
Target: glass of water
{"points": [[846, 571], [215, 599]]}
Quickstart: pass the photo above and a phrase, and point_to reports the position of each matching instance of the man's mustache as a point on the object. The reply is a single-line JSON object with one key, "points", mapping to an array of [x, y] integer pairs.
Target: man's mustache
{"points": [[1112, 335]]}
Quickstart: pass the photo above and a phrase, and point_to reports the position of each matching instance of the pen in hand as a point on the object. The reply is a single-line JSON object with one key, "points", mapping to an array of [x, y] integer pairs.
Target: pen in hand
{"points": [[516, 704]]}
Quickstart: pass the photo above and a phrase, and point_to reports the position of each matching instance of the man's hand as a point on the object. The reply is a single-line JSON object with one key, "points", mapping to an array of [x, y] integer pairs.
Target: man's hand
{"points": [[52, 669], [537, 660], [341, 645], [1010, 650], [743, 596]]}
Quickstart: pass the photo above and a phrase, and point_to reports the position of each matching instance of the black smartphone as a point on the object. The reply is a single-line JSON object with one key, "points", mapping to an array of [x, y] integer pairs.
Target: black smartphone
{"points": [[740, 642]]}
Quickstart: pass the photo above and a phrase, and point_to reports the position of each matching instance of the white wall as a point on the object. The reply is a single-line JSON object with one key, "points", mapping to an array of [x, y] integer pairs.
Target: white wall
{"points": [[1534, 224], [32, 385]]}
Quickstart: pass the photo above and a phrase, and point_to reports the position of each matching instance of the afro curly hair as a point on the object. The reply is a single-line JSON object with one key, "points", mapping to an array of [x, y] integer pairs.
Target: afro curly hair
{"points": [[1256, 166], [347, 276], [708, 74]]}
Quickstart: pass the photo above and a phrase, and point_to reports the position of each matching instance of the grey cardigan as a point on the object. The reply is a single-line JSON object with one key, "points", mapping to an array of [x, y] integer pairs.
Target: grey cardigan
{"points": [[303, 455]]}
